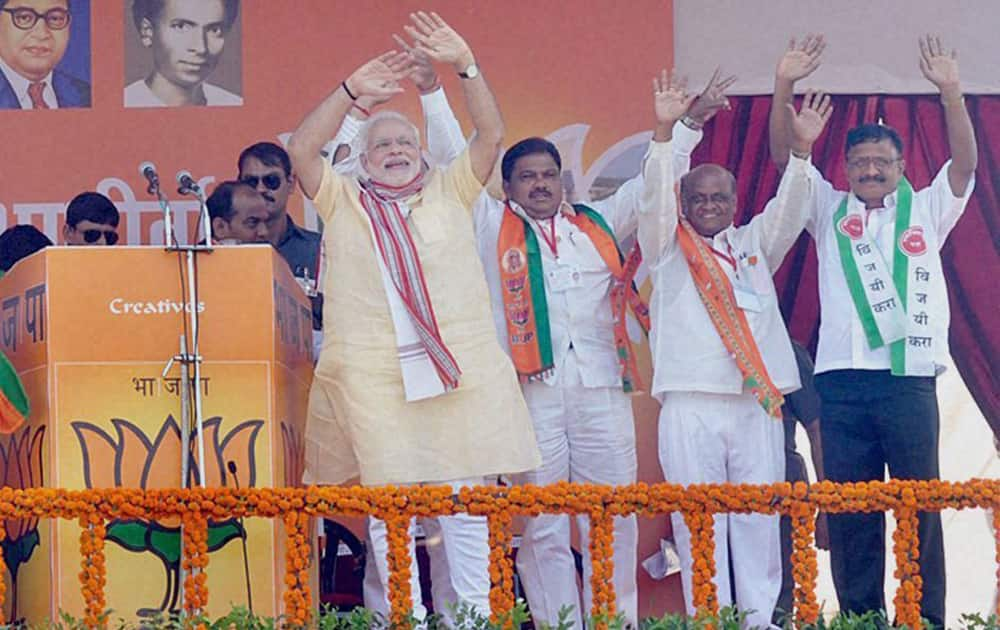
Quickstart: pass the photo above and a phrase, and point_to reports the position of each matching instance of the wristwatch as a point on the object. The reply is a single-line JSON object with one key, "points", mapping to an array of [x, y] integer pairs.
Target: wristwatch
{"points": [[471, 71]]}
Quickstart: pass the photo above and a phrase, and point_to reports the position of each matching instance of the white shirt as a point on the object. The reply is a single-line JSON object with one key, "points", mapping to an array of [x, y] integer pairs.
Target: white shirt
{"points": [[20, 85], [842, 341], [138, 94], [579, 316], [688, 354], [577, 282]]}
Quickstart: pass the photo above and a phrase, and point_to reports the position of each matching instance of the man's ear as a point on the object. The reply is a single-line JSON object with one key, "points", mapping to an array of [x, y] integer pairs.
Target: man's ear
{"points": [[292, 179], [66, 230], [220, 228], [146, 32]]}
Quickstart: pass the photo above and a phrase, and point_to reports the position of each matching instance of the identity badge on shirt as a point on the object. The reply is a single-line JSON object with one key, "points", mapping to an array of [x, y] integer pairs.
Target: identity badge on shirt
{"points": [[563, 277], [746, 297]]}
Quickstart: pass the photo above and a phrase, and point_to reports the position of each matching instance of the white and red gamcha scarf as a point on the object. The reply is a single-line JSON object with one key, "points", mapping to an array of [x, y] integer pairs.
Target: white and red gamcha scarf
{"points": [[427, 366]]}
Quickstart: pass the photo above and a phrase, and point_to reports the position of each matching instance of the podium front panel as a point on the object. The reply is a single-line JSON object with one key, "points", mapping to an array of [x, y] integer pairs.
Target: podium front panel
{"points": [[103, 415]]}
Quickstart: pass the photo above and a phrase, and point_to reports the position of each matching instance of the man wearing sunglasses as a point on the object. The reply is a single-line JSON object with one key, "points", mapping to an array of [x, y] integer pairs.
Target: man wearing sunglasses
{"points": [[267, 168], [91, 219], [34, 35]]}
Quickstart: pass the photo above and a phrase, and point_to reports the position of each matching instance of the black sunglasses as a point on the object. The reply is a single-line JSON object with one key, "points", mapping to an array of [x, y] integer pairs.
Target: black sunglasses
{"points": [[92, 236], [271, 181]]}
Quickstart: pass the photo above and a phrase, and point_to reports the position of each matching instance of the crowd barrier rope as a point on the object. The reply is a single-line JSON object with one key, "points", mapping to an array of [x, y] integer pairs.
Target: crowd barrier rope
{"points": [[93, 509]]}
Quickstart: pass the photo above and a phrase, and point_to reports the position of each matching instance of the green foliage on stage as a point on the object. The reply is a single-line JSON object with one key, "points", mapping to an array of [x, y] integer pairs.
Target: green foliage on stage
{"points": [[466, 618]]}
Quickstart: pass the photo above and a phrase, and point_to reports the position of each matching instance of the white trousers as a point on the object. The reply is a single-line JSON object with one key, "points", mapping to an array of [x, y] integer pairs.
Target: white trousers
{"points": [[458, 549], [586, 435], [717, 438]]}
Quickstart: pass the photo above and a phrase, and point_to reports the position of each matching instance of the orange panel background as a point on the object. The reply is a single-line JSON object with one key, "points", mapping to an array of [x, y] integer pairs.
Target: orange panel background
{"points": [[551, 64]]}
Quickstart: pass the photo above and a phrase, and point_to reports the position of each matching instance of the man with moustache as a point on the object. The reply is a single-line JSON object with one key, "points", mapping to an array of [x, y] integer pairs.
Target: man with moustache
{"points": [[412, 385], [722, 359], [186, 38], [883, 333], [34, 35], [239, 214]]}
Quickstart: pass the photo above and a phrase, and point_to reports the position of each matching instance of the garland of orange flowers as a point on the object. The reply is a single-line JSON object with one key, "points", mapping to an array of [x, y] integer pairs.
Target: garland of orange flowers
{"points": [[906, 549], [703, 593], [3, 582], [92, 569], [602, 588], [996, 538], [804, 566], [397, 506], [194, 561], [298, 606]]}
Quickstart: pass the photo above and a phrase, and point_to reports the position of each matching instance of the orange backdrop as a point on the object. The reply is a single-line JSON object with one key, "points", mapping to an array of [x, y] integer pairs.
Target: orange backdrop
{"points": [[551, 63]]}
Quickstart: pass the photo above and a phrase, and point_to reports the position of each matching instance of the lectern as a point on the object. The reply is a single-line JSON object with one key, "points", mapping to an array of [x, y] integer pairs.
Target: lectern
{"points": [[90, 330]]}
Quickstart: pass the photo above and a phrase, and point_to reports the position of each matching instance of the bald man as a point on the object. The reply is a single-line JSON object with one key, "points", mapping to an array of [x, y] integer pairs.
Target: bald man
{"points": [[722, 359]]}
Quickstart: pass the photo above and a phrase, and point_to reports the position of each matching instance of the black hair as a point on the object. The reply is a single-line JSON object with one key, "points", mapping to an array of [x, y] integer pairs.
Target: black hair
{"points": [[872, 132], [20, 241], [220, 202], [91, 206], [151, 10], [269, 154], [528, 146]]}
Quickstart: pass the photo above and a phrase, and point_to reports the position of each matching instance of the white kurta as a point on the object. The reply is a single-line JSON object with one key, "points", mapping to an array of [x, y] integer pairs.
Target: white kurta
{"points": [[710, 430]]}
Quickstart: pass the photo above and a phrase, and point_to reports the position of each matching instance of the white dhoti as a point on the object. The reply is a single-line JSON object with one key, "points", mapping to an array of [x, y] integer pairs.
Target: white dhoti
{"points": [[585, 435], [458, 549], [718, 438]]}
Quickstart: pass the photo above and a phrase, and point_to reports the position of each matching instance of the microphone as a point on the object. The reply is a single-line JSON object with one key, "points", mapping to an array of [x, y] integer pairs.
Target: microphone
{"points": [[148, 170], [186, 183]]}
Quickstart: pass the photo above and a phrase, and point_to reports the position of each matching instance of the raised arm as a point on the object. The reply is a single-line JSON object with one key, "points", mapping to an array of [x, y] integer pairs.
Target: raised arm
{"points": [[378, 78], [785, 215], [443, 44], [940, 67], [621, 209], [658, 204], [798, 62], [445, 140]]}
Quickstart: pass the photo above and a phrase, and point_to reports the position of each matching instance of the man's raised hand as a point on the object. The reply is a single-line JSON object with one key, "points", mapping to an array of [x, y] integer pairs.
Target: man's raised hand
{"points": [[671, 99], [440, 42], [712, 98], [810, 120], [379, 78], [423, 74], [800, 59], [938, 65]]}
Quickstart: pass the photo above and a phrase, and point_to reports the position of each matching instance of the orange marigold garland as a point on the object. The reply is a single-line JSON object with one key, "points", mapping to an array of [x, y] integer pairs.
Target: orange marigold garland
{"points": [[298, 606], [804, 566], [906, 547], [400, 598], [92, 569], [996, 538], [602, 588], [3, 582], [703, 593], [501, 568], [194, 561]]}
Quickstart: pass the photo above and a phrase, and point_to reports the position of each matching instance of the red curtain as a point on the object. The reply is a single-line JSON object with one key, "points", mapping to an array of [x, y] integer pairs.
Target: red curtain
{"points": [[971, 257]]}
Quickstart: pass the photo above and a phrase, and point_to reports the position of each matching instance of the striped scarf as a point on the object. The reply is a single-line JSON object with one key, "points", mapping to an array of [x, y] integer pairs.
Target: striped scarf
{"points": [[387, 213]]}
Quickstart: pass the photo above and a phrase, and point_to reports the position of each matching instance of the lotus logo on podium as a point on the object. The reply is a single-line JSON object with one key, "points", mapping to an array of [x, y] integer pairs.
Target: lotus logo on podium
{"points": [[131, 459]]}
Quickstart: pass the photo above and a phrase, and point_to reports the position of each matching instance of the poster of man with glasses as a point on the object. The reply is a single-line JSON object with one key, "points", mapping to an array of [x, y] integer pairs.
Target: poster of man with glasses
{"points": [[44, 54], [173, 47]]}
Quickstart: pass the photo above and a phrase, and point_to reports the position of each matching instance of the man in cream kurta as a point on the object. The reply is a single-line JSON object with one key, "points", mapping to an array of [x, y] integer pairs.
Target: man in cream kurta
{"points": [[712, 428], [477, 425]]}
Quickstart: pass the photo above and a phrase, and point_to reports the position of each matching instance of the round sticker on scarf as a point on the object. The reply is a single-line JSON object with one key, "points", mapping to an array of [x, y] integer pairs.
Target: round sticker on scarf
{"points": [[851, 226], [513, 260], [912, 242]]}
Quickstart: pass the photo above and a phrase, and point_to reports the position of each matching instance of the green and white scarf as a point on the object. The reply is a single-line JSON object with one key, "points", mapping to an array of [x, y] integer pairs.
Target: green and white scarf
{"points": [[892, 302]]}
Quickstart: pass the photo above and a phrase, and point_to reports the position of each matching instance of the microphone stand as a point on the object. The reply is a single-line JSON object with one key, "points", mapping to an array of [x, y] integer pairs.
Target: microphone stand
{"points": [[189, 357]]}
